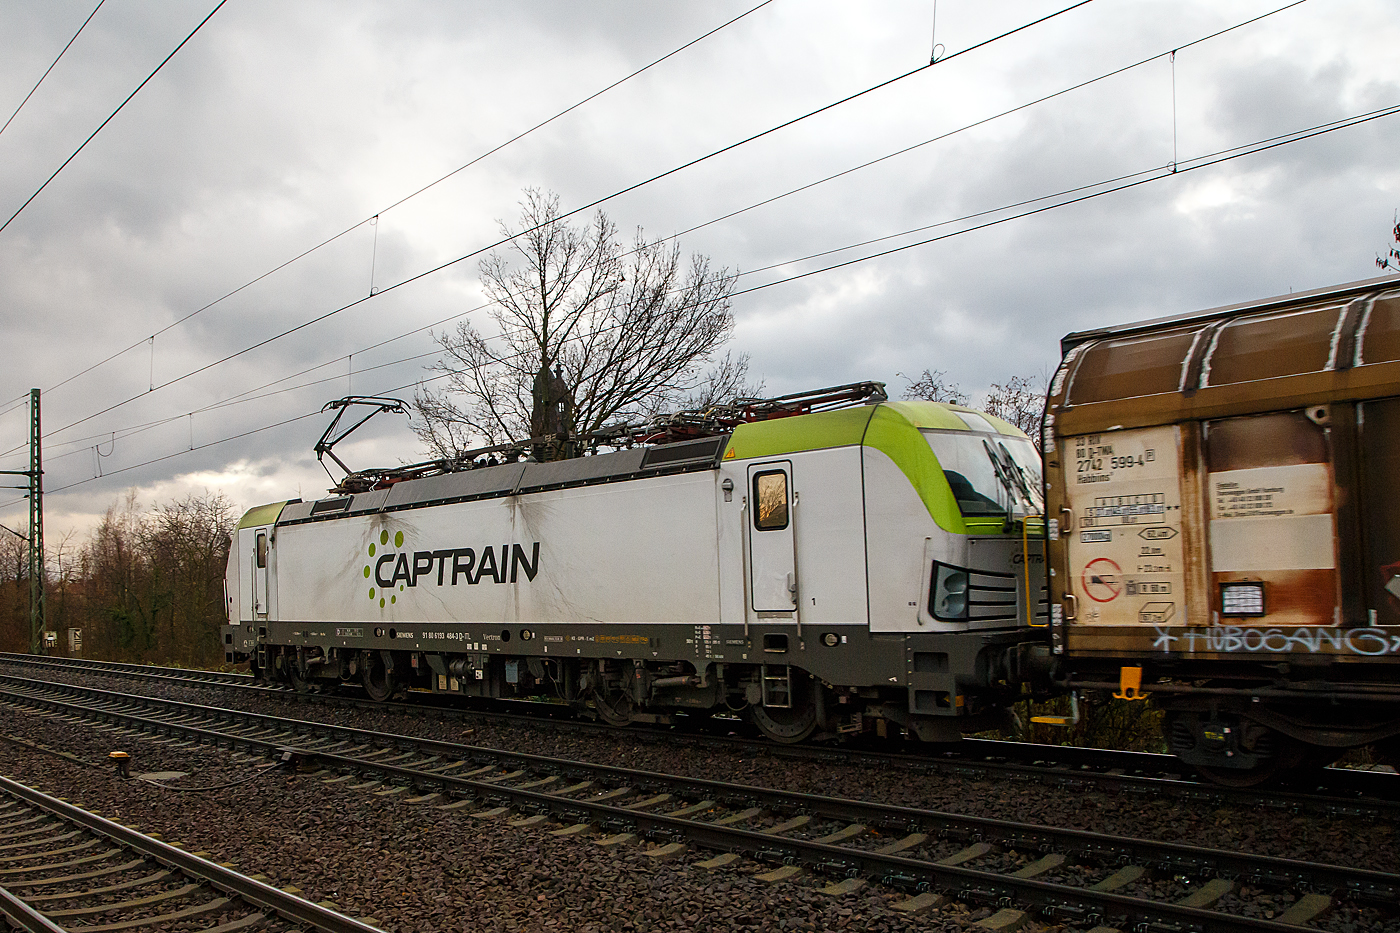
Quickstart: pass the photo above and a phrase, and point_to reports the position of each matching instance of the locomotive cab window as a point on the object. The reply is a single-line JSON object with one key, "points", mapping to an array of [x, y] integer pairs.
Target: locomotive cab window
{"points": [[262, 550], [770, 496], [989, 474]]}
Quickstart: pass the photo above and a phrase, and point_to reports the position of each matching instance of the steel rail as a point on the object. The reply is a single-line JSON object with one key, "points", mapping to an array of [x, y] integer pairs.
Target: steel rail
{"points": [[1380, 801], [1143, 772], [1173, 855], [1369, 885], [264, 896], [1121, 783], [21, 916], [147, 671]]}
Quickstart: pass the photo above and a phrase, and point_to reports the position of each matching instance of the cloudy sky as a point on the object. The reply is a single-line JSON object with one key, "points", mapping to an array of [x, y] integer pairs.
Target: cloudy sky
{"points": [[281, 125]]}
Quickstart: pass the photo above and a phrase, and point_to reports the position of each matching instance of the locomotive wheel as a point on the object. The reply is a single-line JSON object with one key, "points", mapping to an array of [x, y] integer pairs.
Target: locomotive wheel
{"points": [[378, 679], [615, 710], [792, 724], [299, 683]]}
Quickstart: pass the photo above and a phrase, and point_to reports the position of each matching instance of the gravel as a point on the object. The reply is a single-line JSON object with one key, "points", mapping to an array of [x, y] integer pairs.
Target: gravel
{"points": [[413, 867]]}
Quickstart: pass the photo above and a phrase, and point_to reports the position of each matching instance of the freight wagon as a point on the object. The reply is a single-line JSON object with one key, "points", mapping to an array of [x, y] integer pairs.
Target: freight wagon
{"points": [[1222, 525]]}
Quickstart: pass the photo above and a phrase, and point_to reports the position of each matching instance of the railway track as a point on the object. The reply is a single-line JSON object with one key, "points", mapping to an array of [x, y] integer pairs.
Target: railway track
{"points": [[62, 868], [140, 671], [1332, 790], [1067, 875]]}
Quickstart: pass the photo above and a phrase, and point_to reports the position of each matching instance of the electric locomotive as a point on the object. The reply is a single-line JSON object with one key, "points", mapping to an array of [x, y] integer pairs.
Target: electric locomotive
{"points": [[825, 563], [1222, 531]]}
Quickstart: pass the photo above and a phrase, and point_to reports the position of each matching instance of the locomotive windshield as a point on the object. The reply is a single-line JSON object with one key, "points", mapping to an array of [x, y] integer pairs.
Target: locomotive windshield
{"points": [[991, 474]]}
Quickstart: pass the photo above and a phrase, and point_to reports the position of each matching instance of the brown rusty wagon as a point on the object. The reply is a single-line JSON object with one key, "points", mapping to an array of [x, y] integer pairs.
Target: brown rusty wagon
{"points": [[1224, 524]]}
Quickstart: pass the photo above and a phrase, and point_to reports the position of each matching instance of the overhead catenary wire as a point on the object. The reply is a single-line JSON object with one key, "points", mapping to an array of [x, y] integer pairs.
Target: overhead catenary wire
{"points": [[985, 120], [133, 430], [249, 433], [408, 197], [1167, 171], [577, 210], [1162, 172], [112, 116], [966, 127], [52, 66]]}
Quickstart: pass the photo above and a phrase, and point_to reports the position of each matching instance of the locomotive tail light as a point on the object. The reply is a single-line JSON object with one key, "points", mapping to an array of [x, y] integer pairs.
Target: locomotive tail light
{"points": [[1242, 599], [831, 639], [949, 599]]}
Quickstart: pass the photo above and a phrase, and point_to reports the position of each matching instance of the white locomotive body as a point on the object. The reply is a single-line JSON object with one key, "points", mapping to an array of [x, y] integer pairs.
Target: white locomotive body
{"points": [[829, 571]]}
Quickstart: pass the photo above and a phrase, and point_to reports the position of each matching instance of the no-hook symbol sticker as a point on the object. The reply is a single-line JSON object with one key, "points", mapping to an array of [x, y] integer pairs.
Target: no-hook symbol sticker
{"points": [[1103, 580]]}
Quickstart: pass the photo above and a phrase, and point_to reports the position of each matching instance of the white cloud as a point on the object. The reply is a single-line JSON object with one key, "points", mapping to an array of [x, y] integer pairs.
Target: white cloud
{"points": [[280, 125]]}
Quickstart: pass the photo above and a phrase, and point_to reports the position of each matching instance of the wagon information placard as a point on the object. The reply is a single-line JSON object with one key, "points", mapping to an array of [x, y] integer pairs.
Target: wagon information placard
{"points": [[1272, 518], [1125, 548]]}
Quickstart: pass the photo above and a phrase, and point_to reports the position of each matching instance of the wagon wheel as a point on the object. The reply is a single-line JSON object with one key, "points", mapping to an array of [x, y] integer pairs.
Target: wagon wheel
{"points": [[377, 678], [1292, 759], [614, 708], [792, 724]]}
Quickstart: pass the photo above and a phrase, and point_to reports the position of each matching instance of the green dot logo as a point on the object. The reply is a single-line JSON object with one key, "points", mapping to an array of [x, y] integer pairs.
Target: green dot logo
{"points": [[369, 571]]}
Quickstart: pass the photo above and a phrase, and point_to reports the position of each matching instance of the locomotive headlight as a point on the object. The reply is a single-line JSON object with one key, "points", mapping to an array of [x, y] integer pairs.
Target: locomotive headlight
{"points": [[949, 599], [1242, 599]]}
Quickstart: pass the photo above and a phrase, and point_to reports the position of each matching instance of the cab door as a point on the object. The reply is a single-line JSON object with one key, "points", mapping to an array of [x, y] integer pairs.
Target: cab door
{"points": [[772, 559], [257, 544]]}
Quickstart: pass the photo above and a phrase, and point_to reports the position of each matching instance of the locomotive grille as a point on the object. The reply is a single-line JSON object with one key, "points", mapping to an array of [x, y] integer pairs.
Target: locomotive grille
{"points": [[339, 504], [958, 594], [991, 597], [702, 450]]}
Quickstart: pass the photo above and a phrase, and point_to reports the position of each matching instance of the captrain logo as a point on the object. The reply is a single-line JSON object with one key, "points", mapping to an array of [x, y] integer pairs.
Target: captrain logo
{"points": [[393, 571]]}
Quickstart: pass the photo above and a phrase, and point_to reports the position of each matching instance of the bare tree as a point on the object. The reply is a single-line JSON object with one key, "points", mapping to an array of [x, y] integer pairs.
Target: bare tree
{"points": [[122, 605], [1020, 400], [590, 332], [153, 581], [1390, 262], [14, 592], [186, 543], [930, 386]]}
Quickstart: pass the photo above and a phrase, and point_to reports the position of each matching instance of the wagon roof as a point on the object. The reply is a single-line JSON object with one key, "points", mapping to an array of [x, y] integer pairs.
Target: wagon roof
{"points": [[1328, 345]]}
